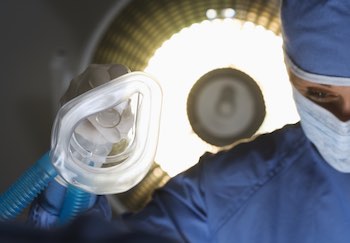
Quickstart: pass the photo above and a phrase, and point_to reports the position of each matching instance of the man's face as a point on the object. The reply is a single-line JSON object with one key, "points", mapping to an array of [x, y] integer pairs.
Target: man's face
{"points": [[335, 99]]}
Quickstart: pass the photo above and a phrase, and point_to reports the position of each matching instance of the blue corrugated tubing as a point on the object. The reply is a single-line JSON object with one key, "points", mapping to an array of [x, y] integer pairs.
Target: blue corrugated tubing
{"points": [[26, 188], [76, 201]]}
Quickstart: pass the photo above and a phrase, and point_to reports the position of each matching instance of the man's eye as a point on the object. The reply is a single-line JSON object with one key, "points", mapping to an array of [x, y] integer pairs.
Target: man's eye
{"points": [[319, 95]]}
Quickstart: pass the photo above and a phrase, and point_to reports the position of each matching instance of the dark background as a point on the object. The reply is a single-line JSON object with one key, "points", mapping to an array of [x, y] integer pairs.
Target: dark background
{"points": [[43, 45]]}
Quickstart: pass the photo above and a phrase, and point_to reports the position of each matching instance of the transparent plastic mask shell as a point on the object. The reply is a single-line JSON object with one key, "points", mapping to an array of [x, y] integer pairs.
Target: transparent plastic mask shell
{"points": [[115, 172]]}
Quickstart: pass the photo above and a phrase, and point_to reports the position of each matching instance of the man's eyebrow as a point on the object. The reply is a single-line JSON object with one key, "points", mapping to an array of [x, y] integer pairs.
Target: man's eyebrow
{"points": [[313, 83], [326, 85]]}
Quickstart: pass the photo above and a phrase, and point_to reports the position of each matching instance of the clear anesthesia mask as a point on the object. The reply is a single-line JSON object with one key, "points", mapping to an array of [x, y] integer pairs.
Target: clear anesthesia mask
{"points": [[104, 141]]}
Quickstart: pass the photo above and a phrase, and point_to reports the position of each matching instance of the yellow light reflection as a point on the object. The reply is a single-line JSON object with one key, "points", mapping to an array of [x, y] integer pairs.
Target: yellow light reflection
{"points": [[196, 50]]}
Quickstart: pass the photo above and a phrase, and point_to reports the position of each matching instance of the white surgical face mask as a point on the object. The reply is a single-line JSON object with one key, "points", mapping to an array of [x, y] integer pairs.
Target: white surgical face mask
{"points": [[330, 135]]}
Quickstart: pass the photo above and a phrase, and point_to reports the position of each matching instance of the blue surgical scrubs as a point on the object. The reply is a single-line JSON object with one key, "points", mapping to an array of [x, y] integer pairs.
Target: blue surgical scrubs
{"points": [[274, 189]]}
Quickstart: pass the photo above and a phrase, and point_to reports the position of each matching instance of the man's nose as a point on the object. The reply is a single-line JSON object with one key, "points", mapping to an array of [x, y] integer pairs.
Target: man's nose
{"points": [[344, 109]]}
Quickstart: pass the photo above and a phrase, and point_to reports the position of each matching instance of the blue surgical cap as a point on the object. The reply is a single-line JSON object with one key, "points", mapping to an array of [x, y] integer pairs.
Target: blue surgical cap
{"points": [[316, 37]]}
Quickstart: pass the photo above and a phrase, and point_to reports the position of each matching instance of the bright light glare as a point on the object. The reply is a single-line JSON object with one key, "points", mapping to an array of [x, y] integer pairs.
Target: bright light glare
{"points": [[196, 50], [211, 14], [228, 12]]}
